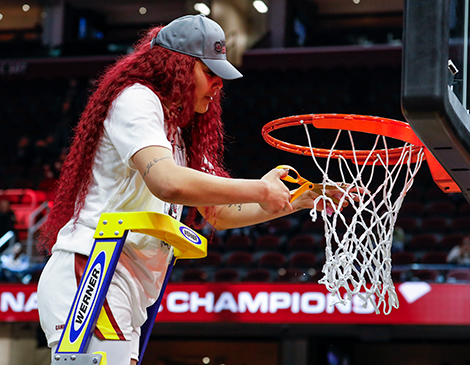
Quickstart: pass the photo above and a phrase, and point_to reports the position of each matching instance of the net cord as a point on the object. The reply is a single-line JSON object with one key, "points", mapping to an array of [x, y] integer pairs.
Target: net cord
{"points": [[361, 262]]}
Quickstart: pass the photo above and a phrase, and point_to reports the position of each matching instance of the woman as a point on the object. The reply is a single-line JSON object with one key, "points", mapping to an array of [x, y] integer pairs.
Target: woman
{"points": [[150, 139]]}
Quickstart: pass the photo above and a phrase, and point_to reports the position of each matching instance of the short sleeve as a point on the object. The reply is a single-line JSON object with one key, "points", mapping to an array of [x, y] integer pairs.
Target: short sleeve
{"points": [[136, 121]]}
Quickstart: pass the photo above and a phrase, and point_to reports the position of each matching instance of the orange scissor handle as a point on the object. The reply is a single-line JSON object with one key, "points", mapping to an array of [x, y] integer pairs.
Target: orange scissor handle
{"points": [[304, 183], [297, 179]]}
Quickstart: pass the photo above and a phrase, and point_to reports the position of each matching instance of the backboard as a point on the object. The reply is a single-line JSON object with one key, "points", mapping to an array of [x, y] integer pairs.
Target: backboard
{"points": [[435, 81]]}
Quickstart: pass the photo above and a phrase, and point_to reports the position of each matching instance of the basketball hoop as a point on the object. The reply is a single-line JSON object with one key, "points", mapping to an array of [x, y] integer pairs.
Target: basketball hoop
{"points": [[377, 178]]}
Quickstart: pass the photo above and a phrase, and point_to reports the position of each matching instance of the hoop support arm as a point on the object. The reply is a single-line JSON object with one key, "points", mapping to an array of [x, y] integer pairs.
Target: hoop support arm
{"points": [[440, 176]]}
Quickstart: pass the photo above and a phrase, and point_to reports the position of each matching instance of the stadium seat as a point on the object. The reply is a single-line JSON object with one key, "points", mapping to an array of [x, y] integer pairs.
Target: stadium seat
{"points": [[194, 275], [464, 209], [451, 240], [403, 258], [422, 242], [434, 194], [258, 275], [239, 260], [460, 225], [271, 260], [434, 257], [415, 194], [238, 242], [308, 226], [176, 274], [302, 260], [444, 208], [458, 275], [302, 242], [425, 275], [214, 242], [411, 225], [412, 209], [322, 243], [213, 259], [24, 196], [398, 276], [434, 225], [279, 226], [268, 242], [22, 215], [184, 264], [226, 275]]}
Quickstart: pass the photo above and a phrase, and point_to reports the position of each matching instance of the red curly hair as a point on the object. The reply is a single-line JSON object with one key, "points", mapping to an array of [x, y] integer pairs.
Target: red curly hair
{"points": [[170, 75]]}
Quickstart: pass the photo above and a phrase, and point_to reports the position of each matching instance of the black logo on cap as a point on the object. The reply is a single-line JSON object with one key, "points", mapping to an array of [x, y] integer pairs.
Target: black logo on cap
{"points": [[219, 47]]}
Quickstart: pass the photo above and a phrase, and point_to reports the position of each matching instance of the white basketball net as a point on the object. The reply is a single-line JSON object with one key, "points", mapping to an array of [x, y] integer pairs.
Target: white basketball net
{"points": [[359, 238]]}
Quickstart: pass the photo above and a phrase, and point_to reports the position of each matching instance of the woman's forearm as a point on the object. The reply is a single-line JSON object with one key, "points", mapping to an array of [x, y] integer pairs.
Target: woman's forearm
{"points": [[181, 185], [240, 215]]}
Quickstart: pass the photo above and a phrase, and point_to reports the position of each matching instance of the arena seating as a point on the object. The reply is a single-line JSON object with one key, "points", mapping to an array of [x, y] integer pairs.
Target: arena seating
{"points": [[289, 249]]}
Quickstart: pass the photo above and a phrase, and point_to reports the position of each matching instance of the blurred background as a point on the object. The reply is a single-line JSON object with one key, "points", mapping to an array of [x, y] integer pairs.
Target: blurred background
{"points": [[297, 57]]}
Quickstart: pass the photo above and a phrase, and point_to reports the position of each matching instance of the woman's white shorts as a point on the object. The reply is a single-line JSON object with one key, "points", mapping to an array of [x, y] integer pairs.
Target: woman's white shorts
{"points": [[56, 291]]}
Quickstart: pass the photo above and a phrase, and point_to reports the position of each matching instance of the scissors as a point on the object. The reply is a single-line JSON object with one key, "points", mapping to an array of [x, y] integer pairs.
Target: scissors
{"points": [[305, 184]]}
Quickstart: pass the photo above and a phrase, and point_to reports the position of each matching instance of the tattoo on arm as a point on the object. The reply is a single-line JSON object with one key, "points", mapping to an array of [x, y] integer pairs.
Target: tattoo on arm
{"points": [[239, 206], [153, 162]]}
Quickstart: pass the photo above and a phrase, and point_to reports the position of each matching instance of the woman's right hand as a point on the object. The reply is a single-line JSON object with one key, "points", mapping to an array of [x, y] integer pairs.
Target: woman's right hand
{"points": [[277, 198]]}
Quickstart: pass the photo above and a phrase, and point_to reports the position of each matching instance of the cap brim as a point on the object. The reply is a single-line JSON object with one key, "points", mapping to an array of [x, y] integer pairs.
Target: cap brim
{"points": [[222, 68]]}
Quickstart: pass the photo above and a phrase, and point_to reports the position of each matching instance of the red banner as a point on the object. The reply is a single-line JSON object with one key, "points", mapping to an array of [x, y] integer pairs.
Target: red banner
{"points": [[420, 304], [18, 303]]}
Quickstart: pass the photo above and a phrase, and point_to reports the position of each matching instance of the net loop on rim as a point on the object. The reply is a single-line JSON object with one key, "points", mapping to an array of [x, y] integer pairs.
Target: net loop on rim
{"points": [[358, 123], [359, 236]]}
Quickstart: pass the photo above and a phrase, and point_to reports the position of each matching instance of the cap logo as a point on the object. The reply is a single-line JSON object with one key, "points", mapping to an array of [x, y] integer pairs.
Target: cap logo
{"points": [[219, 47]]}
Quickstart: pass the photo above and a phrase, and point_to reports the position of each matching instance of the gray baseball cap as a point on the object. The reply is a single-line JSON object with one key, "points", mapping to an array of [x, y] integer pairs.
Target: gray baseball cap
{"points": [[201, 37]]}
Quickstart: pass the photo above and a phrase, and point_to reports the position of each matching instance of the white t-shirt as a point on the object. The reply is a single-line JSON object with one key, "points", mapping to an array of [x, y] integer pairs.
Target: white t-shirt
{"points": [[135, 121]]}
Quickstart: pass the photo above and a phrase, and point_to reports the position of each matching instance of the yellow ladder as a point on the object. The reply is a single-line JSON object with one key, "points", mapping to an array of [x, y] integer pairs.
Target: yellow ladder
{"points": [[110, 236]]}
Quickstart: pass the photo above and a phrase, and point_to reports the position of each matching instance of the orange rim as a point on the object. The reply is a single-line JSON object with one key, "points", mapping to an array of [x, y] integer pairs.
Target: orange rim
{"points": [[356, 123]]}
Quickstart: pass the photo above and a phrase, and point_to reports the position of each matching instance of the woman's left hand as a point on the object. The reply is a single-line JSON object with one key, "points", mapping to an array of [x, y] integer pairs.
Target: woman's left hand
{"points": [[307, 199]]}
